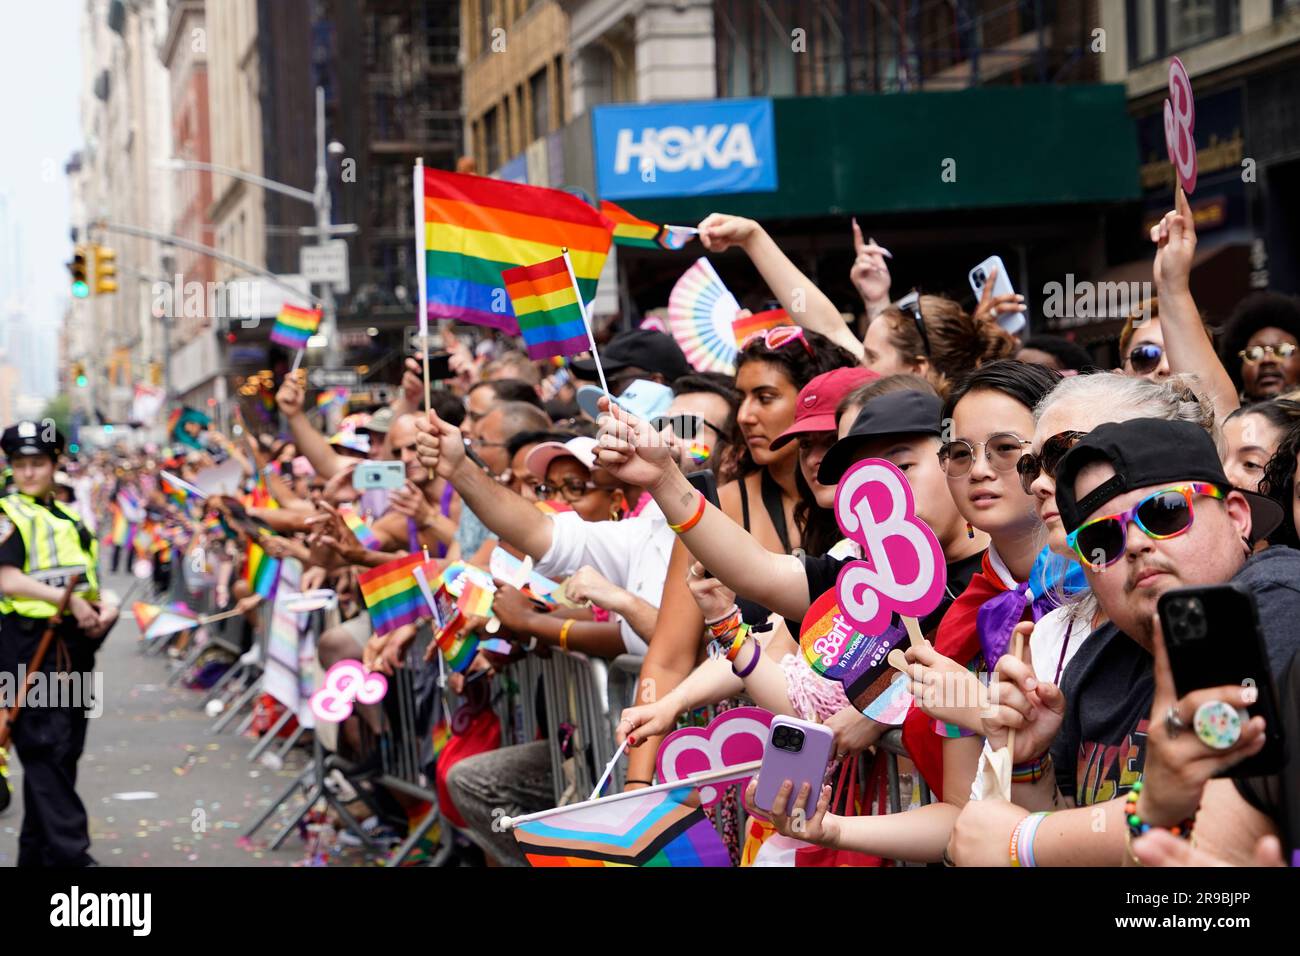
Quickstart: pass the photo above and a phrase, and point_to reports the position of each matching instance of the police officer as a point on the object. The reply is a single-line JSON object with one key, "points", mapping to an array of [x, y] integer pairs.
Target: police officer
{"points": [[43, 542]]}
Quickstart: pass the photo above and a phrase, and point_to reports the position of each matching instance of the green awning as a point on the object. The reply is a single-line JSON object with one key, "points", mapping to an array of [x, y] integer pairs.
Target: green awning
{"points": [[1008, 146]]}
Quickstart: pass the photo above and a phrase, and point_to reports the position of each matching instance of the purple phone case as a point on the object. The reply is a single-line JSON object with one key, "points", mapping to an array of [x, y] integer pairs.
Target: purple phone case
{"points": [[807, 766]]}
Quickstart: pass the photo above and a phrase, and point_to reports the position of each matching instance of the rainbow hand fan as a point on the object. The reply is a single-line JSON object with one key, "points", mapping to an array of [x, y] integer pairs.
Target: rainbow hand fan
{"points": [[700, 312]]}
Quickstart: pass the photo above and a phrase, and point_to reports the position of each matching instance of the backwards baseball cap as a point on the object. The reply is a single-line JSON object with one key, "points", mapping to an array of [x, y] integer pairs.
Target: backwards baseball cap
{"points": [[656, 352], [540, 458], [815, 407], [1146, 452], [897, 413]]}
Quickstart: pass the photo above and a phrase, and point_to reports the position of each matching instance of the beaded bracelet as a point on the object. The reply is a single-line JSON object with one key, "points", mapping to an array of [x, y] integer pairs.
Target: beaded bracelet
{"points": [[694, 519], [1136, 827], [1033, 771]]}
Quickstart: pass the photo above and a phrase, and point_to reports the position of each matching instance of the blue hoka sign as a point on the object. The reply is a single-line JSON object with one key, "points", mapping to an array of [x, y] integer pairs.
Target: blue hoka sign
{"points": [[684, 149]]}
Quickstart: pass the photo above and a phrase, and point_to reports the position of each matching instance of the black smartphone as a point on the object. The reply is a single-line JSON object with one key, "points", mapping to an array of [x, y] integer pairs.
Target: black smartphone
{"points": [[439, 366], [1213, 638]]}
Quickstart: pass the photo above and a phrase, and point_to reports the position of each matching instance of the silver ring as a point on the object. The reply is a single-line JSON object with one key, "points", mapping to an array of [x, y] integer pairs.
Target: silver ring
{"points": [[1174, 723], [841, 755], [696, 574], [1217, 724]]}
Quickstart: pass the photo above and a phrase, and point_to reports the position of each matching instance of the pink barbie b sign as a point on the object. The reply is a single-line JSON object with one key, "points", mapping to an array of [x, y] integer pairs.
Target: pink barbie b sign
{"points": [[902, 569]]}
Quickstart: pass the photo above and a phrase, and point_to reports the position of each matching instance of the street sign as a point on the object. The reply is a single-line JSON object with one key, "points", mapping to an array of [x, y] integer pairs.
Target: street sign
{"points": [[333, 378], [326, 263]]}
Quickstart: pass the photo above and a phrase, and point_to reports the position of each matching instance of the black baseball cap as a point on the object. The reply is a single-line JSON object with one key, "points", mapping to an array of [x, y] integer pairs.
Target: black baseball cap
{"points": [[656, 352], [896, 413], [31, 438], [1146, 452]]}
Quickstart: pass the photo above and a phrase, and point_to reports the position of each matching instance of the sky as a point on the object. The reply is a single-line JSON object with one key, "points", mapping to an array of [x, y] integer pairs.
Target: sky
{"points": [[40, 127]]}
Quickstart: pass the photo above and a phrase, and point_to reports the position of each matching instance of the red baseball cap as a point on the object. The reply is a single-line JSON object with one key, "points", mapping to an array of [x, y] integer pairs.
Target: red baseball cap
{"points": [[815, 407]]}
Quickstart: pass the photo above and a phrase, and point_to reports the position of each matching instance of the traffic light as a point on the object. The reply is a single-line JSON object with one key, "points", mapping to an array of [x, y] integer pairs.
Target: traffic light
{"points": [[105, 270], [79, 375], [80, 288]]}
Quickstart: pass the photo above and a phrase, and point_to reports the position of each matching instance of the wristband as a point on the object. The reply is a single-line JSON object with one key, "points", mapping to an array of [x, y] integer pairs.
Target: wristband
{"points": [[1025, 847], [564, 634], [693, 520], [737, 642], [716, 626], [630, 780], [1136, 826], [1014, 849], [753, 661], [1033, 771]]}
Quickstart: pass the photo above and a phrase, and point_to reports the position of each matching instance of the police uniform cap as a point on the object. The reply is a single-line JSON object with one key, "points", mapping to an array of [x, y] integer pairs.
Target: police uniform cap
{"points": [[31, 438]]}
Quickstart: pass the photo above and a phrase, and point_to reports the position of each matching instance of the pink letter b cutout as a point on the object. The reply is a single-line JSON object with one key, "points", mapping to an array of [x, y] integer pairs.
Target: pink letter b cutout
{"points": [[902, 570]]}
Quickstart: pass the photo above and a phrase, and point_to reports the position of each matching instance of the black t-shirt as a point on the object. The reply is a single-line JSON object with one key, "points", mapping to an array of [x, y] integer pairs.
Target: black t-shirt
{"points": [[1278, 796], [1108, 687]]}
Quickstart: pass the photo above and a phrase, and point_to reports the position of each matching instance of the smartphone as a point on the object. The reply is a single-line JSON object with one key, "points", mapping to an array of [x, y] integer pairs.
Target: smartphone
{"points": [[1213, 638], [440, 367], [706, 483], [379, 474], [1011, 322], [798, 751]]}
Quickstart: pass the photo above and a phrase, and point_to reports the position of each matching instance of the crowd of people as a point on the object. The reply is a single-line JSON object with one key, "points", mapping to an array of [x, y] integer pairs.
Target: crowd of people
{"points": [[1082, 493]]}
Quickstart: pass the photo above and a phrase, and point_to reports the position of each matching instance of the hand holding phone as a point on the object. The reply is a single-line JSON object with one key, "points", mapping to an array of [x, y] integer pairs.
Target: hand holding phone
{"points": [[379, 474], [1011, 319], [798, 751]]}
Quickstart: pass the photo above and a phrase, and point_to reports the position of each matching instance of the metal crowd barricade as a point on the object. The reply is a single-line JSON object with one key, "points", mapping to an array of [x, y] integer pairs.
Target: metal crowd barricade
{"points": [[574, 688]]}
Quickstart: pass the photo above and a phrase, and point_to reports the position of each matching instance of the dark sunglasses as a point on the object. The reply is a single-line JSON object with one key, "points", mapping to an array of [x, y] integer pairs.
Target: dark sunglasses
{"points": [[910, 304], [686, 427], [1030, 466], [1099, 543], [1145, 358]]}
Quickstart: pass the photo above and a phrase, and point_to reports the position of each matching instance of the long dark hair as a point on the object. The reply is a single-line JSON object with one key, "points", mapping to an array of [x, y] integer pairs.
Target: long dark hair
{"points": [[1279, 484], [818, 529]]}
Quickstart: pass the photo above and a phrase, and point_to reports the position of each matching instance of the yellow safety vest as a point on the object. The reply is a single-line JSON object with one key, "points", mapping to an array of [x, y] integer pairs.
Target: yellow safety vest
{"points": [[53, 552]]}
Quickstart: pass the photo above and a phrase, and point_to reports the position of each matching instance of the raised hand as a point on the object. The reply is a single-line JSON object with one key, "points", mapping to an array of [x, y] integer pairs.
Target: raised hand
{"points": [[1175, 239], [630, 449], [991, 306], [870, 272], [413, 383], [439, 446], [719, 232], [290, 397]]}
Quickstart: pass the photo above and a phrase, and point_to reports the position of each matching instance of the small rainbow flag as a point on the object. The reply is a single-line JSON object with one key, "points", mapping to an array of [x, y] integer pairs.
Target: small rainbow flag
{"points": [[547, 309], [459, 652], [673, 238], [118, 533], [752, 325], [294, 326], [262, 572], [392, 594], [179, 490], [628, 229], [369, 540], [475, 601], [652, 827], [145, 614], [331, 396], [474, 227]]}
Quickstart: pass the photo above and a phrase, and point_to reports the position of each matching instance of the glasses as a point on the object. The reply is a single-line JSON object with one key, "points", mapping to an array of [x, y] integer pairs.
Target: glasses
{"points": [[1146, 358], [571, 490], [1099, 543], [1002, 451], [778, 337], [1256, 353], [1030, 466], [911, 304]]}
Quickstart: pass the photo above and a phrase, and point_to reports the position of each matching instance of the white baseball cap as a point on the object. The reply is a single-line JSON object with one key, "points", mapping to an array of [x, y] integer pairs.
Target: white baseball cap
{"points": [[540, 458]]}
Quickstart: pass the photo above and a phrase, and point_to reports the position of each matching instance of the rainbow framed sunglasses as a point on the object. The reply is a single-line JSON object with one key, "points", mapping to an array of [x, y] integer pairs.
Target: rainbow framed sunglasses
{"points": [[1160, 515], [779, 336]]}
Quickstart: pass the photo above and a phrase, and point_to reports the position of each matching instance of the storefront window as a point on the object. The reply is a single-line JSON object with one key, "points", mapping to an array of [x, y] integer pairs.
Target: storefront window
{"points": [[1160, 28]]}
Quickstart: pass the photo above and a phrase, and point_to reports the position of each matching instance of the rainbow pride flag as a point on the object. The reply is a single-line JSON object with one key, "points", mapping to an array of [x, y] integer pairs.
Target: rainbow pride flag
{"points": [[475, 601], [628, 229], [369, 540], [294, 326], [459, 652], [120, 527], [547, 308], [751, 325], [392, 594], [475, 227], [262, 572], [180, 491], [652, 827]]}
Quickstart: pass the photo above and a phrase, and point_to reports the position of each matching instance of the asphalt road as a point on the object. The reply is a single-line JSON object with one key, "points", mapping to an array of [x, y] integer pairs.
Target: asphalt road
{"points": [[160, 789]]}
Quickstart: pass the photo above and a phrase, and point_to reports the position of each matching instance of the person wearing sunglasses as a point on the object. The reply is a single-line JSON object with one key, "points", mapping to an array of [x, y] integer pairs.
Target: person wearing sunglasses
{"points": [[1146, 507], [1142, 349], [1260, 345], [702, 418]]}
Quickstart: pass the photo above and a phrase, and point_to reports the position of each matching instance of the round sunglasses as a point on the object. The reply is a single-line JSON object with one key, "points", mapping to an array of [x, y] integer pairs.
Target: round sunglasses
{"points": [[1101, 542], [1146, 358], [1256, 353], [1002, 451], [1030, 466]]}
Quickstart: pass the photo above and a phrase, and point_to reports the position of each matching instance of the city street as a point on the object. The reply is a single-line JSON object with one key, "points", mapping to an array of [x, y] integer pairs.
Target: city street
{"points": [[159, 789]]}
